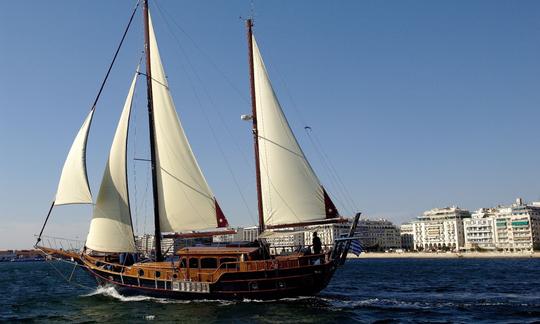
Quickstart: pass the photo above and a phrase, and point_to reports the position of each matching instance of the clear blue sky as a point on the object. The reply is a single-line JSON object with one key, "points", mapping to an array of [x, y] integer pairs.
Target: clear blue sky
{"points": [[420, 104]]}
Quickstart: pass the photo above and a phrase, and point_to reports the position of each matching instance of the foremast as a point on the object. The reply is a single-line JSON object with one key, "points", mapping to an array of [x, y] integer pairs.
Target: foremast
{"points": [[151, 126], [249, 26]]}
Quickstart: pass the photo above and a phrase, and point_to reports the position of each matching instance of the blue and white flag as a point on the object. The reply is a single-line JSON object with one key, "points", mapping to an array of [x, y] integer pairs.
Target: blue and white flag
{"points": [[356, 247]]}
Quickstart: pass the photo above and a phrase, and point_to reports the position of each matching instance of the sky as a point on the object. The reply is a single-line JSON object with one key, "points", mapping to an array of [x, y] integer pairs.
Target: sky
{"points": [[417, 104]]}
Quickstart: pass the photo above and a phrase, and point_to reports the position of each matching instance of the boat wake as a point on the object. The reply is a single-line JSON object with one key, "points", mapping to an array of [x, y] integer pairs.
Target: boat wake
{"points": [[111, 292], [330, 302]]}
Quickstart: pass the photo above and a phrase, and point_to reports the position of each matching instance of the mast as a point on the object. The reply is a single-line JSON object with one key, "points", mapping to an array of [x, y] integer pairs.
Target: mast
{"points": [[157, 233], [249, 25]]}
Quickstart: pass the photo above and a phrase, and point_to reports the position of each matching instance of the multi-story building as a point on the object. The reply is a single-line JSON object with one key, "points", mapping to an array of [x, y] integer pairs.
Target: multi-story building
{"points": [[407, 236], [480, 231], [378, 234], [248, 234], [286, 240], [440, 229], [518, 227], [327, 233], [145, 244], [509, 228]]}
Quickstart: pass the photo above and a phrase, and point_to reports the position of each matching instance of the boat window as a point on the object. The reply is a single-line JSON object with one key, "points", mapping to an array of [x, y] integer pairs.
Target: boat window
{"points": [[208, 263], [183, 263], [193, 262], [230, 265], [141, 272], [158, 274]]}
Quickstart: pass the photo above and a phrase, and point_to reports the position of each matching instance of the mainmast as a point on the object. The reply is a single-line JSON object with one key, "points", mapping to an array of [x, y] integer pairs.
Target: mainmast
{"points": [[157, 233], [249, 25]]}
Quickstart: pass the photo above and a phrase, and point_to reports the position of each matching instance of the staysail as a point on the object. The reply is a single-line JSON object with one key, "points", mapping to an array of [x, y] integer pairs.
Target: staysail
{"points": [[111, 229], [186, 202], [291, 192], [73, 186]]}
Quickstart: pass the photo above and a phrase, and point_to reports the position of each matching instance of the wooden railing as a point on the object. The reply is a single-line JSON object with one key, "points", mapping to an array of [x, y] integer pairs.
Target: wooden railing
{"points": [[268, 265]]}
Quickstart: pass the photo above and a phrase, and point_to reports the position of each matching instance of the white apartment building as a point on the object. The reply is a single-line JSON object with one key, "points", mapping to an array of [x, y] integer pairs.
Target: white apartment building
{"points": [[378, 234], [518, 227], [145, 244], [248, 234], [407, 236], [480, 231], [508, 228], [286, 240], [327, 233], [440, 229]]}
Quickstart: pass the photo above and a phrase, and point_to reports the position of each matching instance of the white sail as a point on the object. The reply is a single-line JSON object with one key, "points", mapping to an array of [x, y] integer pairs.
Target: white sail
{"points": [[73, 186], [186, 202], [111, 229], [291, 191]]}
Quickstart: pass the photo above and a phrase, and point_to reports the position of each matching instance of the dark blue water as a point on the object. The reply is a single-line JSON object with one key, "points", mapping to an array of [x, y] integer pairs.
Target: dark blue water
{"points": [[365, 290]]}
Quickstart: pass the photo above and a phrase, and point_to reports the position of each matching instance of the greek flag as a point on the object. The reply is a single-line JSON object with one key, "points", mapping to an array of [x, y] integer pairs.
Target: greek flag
{"points": [[356, 247]]}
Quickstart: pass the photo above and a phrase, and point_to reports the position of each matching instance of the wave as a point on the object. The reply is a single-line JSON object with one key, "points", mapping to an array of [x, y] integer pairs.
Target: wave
{"points": [[110, 291], [331, 302], [390, 303]]}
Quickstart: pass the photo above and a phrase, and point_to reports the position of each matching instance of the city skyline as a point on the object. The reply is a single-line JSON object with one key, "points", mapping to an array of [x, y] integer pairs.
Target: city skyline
{"points": [[420, 105]]}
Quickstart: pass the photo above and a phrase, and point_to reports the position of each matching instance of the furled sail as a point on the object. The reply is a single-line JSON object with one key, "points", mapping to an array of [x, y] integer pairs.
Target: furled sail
{"points": [[73, 186], [111, 229], [186, 202], [291, 191]]}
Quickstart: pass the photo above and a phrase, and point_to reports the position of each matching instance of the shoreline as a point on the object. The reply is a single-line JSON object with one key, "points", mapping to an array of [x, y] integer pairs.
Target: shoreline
{"points": [[451, 255]]}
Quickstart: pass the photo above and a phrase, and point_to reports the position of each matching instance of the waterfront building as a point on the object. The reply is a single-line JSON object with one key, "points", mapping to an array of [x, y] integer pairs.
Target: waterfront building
{"points": [[285, 240], [248, 234], [327, 233], [440, 229], [145, 244], [7, 255], [378, 235], [508, 228], [480, 231], [407, 236], [518, 227], [231, 237]]}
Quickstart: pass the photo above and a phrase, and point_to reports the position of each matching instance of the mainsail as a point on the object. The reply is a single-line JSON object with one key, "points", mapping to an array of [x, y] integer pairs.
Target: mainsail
{"points": [[73, 186], [291, 192], [111, 229], [186, 202]]}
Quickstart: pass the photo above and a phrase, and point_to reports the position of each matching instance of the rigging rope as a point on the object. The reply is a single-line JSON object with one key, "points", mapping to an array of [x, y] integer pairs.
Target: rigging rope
{"points": [[205, 114], [116, 53], [68, 280], [337, 183], [332, 171], [98, 95]]}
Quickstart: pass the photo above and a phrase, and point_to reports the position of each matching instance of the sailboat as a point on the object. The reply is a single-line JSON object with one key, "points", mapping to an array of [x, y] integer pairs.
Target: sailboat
{"points": [[289, 195]]}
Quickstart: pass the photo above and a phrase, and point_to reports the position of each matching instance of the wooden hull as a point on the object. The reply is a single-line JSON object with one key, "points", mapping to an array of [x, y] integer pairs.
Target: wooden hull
{"points": [[267, 284]]}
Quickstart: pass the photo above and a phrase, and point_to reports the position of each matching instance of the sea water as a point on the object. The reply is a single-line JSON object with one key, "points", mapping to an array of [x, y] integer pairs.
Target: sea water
{"points": [[364, 290]]}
